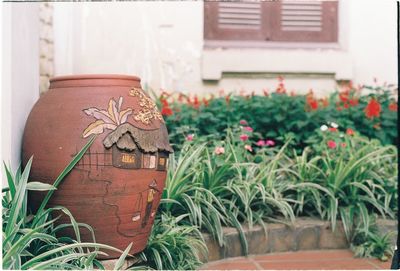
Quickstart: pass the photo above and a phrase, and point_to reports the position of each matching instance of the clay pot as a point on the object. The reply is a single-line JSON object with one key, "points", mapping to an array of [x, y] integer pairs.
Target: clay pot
{"points": [[117, 185]]}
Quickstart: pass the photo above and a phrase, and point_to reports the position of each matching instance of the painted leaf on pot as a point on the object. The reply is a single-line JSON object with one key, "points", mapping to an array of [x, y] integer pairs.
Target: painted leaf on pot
{"points": [[106, 119], [98, 127], [98, 114]]}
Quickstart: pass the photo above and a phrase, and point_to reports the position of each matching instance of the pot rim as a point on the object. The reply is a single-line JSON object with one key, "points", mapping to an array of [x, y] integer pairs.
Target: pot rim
{"points": [[94, 76]]}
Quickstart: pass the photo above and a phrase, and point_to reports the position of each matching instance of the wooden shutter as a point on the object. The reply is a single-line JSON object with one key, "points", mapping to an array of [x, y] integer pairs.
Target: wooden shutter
{"points": [[233, 21], [305, 21], [286, 21]]}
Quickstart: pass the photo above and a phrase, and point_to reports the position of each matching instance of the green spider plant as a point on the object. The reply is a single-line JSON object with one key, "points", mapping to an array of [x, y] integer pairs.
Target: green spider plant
{"points": [[30, 241]]}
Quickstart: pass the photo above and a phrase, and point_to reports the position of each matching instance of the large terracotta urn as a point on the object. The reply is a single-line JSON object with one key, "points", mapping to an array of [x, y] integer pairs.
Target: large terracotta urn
{"points": [[116, 187]]}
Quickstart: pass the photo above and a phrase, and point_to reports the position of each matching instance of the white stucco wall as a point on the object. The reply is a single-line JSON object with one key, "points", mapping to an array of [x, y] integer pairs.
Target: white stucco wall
{"points": [[163, 43], [373, 41], [20, 75]]}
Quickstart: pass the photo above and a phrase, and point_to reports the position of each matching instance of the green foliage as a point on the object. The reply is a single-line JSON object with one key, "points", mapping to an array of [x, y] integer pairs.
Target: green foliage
{"points": [[362, 176], [217, 190], [172, 246], [348, 182], [278, 114], [30, 241], [371, 243]]}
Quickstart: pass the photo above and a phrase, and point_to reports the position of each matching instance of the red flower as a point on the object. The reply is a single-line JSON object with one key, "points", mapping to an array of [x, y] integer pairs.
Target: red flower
{"points": [[196, 103], [325, 102], [180, 97], [164, 101], [281, 86], [332, 129], [331, 144], [353, 102], [339, 108], [377, 126], [227, 99], [344, 96], [205, 101], [343, 144], [166, 111], [312, 103], [373, 109], [164, 93], [393, 107], [350, 132], [281, 89], [346, 105]]}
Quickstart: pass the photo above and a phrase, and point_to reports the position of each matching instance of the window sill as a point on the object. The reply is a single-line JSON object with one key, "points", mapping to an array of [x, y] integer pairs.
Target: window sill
{"points": [[231, 44], [313, 60]]}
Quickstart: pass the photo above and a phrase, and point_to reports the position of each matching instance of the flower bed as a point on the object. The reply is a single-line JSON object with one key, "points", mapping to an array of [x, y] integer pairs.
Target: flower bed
{"points": [[242, 161], [279, 114]]}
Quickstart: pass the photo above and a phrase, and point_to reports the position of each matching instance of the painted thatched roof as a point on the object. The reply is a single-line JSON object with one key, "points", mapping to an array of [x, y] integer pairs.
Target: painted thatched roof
{"points": [[128, 137]]}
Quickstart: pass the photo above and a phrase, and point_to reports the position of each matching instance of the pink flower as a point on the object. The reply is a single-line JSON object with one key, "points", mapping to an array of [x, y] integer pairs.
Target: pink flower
{"points": [[331, 144], [269, 142], [244, 137], [248, 129], [190, 137], [243, 122], [350, 131], [219, 150], [248, 147], [343, 144], [260, 143]]}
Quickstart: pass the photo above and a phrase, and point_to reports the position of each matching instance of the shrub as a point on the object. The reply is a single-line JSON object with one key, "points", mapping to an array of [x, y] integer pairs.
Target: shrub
{"points": [[277, 115], [172, 246], [360, 174], [344, 176]]}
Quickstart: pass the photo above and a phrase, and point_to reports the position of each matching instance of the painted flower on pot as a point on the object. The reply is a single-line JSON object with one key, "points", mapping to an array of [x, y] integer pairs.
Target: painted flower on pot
{"points": [[106, 119]]}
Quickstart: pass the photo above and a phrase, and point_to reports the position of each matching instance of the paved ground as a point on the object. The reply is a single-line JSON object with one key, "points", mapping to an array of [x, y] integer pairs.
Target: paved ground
{"points": [[312, 260]]}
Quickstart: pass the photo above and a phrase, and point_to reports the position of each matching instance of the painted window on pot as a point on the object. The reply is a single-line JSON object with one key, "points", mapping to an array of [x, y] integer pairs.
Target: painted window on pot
{"points": [[149, 160], [126, 159], [162, 161], [271, 21]]}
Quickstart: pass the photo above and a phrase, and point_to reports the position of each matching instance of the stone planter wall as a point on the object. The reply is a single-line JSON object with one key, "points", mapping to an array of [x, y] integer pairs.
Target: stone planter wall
{"points": [[305, 234]]}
